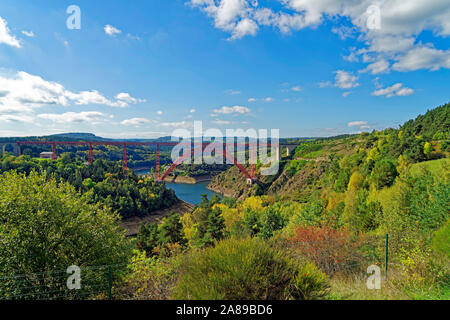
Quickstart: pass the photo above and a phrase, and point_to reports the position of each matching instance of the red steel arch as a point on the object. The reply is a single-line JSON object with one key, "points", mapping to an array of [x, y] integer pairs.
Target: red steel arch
{"points": [[181, 159]]}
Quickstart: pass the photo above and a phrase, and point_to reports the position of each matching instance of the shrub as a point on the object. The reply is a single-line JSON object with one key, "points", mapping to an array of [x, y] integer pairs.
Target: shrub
{"points": [[148, 278], [309, 284], [331, 250], [235, 270]]}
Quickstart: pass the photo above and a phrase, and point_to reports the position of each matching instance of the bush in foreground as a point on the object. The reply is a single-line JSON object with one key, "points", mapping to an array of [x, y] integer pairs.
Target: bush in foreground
{"points": [[248, 269]]}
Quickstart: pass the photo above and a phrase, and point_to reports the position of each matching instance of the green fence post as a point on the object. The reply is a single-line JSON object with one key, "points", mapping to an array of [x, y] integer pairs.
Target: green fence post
{"points": [[386, 255], [109, 283]]}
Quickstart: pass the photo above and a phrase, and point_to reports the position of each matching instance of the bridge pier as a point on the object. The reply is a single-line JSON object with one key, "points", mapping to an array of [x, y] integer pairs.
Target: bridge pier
{"points": [[125, 159], [158, 165], [91, 155], [289, 149]]}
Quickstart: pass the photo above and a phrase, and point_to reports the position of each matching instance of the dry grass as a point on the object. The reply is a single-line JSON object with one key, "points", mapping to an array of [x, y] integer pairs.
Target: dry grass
{"points": [[356, 289]]}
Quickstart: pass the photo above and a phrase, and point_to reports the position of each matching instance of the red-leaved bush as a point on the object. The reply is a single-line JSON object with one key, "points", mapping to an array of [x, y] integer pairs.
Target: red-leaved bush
{"points": [[333, 251]]}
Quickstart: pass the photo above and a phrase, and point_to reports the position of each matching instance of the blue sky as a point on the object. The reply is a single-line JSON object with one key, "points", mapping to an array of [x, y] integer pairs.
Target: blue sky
{"points": [[145, 68]]}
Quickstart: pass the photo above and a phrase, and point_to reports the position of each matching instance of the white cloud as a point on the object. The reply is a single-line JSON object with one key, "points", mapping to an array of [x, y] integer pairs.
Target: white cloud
{"points": [[251, 100], [395, 90], [346, 93], [296, 88], [243, 28], [325, 84], [175, 124], [28, 33], [231, 110], [423, 57], [192, 110], [5, 35], [344, 32], [401, 22], [128, 99], [380, 66], [234, 92], [15, 118], [357, 123], [159, 112], [111, 31], [92, 117], [268, 99], [135, 122], [345, 80], [23, 92], [352, 57]]}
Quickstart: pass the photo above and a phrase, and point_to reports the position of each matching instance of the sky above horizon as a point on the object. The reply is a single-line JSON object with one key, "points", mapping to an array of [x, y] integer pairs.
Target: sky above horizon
{"points": [[142, 69]]}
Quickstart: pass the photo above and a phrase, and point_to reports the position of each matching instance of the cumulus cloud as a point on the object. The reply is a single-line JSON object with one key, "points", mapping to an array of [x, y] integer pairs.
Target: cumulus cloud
{"points": [[15, 118], [380, 66], [5, 35], [231, 110], [128, 99], [423, 57], [177, 124], [135, 122], [251, 100], [345, 80], [296, 88], [23, 92], [401, 23], [357, 123], [361, 125], [395, 90], [92, 117], [111, 31], [243, 28]]}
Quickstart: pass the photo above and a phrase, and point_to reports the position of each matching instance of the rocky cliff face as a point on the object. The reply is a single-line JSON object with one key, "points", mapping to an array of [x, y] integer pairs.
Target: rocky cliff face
{"points": [[231, 183]]}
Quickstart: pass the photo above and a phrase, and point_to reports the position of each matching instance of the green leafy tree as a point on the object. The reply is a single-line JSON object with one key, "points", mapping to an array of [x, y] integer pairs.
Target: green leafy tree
{"points": [[384, 173], [171, 231], [147, 238], [48, 226]]}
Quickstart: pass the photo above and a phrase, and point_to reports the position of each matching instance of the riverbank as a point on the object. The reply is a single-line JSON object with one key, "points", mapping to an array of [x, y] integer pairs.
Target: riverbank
{"points": [[132, 224], [188, 180]]}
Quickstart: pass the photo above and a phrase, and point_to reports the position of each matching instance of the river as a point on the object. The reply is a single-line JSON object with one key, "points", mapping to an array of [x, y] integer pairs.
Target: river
{"points": [[191, 193]]}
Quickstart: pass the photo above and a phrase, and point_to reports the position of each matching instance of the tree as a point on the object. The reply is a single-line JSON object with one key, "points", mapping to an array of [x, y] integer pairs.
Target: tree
{"points": [[216, 225], [147, 238], [47, 227], [171, 231], [384, 173]]}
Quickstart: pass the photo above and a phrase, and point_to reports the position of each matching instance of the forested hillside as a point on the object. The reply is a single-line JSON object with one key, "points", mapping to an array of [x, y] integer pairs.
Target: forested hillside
{"points": [[102, 182]]}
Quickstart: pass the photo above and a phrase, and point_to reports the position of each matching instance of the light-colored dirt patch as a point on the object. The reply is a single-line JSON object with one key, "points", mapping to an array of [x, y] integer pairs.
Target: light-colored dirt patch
{"points": [[132, 224]]}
